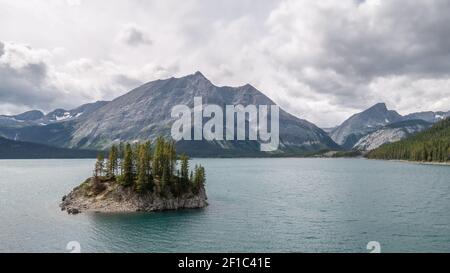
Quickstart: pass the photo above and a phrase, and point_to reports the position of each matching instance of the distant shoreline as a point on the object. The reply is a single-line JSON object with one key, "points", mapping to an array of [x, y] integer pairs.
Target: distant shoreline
{"points": [[414, 162], [422, 162], [265, 157]]}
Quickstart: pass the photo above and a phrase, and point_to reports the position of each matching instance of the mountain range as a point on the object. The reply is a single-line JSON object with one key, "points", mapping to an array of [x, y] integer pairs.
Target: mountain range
{"points": [[36, 117], [377, 125], [145, 113]]}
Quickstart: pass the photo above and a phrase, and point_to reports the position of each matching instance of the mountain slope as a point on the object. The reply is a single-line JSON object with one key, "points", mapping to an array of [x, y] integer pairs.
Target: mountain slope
{"points": [[145, 113], [37, 118], [64, 115], [370, 129], [431, 145], [390, 133], [10, 149], [21, 120], [350, 131], [28, 116], [428, 116]]}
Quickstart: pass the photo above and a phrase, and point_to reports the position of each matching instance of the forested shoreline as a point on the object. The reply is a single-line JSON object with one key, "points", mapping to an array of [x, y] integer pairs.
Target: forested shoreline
{"points": [[431, 145]]}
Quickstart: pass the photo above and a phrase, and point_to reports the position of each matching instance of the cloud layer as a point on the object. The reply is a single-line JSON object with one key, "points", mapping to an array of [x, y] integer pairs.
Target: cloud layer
{"points": [[132, 35], [320, 60]]}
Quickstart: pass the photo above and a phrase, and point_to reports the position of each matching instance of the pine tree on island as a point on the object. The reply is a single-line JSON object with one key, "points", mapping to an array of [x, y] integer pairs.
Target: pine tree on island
{"points": [[150, 169]]}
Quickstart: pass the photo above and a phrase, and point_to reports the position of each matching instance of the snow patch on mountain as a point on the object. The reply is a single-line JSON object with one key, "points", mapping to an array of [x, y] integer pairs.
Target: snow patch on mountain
{"points": [[65, 116]]}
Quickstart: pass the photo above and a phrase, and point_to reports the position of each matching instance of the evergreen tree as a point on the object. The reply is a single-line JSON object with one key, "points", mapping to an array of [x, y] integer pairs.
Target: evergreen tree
{"points": [[165, 181], [148, 166], [184, 168], [171, 157], [127, 166], [199, 178], [143, 181], [158, 158], [164, 158], [99, 165], [120, 154], [112, 162]]}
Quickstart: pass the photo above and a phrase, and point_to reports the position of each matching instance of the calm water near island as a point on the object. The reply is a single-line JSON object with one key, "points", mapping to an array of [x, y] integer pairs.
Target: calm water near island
{"points": [[256, 205]]}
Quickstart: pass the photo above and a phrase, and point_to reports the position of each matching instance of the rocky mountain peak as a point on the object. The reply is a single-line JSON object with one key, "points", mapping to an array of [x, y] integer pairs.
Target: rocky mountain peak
{"points": [[199, 74], [197, 77], [381, 107], [351, 130]]}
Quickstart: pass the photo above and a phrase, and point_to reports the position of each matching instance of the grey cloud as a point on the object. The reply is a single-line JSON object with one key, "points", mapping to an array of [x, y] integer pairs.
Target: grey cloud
{"points": [[127, 81], [410, 38], [398, 38], [25, 82], [134, 36], [338, 55], [25, 86], [354, 43]]}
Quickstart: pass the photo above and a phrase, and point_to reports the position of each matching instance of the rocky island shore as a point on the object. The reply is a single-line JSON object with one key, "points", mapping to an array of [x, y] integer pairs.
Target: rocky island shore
{"points": [[139, 179], [114, 198]]}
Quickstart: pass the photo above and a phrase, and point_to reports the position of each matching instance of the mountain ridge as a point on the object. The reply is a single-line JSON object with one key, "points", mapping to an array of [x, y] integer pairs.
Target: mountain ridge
{"points": [[144, 113], [163, 95], [372, 125]]}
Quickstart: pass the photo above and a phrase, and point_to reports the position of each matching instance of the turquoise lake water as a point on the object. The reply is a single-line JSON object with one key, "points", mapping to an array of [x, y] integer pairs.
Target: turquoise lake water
{"points": [[256, 205]]}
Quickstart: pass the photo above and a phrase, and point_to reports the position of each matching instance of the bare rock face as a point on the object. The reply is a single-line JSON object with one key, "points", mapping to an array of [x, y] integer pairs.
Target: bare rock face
{"points": [[112, 198], [391, 133]]}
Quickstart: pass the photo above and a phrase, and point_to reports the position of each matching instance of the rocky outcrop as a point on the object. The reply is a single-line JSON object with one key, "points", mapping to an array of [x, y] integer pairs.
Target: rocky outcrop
{"points": [[391, 133], [380, 137], [110, 197]]}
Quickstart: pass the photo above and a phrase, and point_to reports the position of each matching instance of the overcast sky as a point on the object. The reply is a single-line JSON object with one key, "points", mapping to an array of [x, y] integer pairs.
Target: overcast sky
{"points": [[320, 60]]}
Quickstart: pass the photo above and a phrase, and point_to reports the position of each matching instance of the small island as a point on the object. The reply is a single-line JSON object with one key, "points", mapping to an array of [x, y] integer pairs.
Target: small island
{"points": [[139, 177]]}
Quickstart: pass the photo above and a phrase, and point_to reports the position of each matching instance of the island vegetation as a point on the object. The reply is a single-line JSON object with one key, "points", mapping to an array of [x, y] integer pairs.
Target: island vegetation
{"points": [[139, 177], [431, 145]]}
